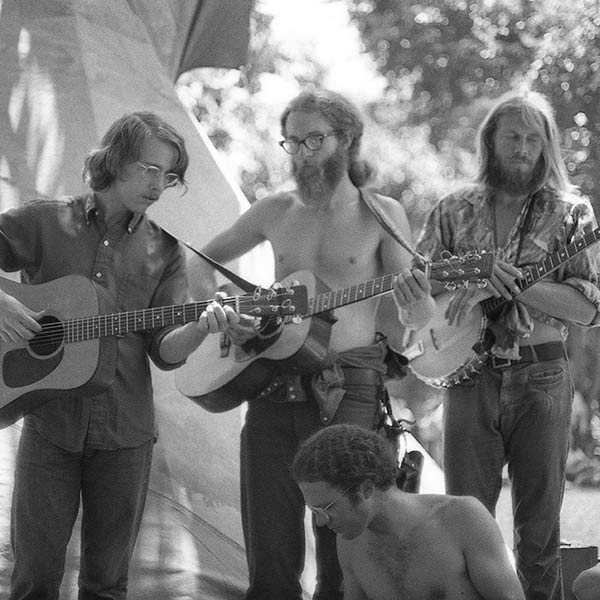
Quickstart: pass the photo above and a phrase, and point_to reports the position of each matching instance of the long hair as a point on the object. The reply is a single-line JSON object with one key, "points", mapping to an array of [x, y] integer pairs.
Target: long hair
{"points": [[344, 119], [537, 113], [122, 144], [344, 456]]}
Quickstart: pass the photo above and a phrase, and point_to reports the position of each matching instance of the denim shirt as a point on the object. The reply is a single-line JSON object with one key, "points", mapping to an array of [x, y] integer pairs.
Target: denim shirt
{"points": [[135, 266], [464, 221]]}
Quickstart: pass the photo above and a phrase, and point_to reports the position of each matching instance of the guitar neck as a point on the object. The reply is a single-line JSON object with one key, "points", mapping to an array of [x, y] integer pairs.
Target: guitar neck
{"points": [[546, 266], [88, 328], [348, 295]]}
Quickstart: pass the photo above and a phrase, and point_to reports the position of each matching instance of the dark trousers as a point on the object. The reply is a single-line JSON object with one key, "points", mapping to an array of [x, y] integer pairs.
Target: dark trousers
{"points": [[272, 504], [519, 415], [49, 483]]}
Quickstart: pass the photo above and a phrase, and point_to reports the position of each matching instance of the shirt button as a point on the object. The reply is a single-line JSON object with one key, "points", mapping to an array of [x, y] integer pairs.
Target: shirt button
{"points": [[98, 274], [106, 242], [292, 396]]}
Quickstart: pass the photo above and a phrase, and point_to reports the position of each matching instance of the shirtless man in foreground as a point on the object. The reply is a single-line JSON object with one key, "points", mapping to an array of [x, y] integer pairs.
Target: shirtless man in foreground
{"points": [[392, 544], [325, 227]]}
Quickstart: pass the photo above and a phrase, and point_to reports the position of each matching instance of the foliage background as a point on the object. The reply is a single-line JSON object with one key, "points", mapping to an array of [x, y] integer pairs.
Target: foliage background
{"points": [[424, 74]]}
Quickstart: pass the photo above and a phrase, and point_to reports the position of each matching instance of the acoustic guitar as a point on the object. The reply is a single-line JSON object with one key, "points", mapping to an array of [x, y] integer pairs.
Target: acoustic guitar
{"points": [[219, 376], [75, 353], [445, 355]]}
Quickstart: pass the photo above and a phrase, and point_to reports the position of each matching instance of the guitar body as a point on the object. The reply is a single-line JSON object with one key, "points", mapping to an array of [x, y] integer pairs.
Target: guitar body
{"points": [[443, 355], [34, 372], [219, 376]]}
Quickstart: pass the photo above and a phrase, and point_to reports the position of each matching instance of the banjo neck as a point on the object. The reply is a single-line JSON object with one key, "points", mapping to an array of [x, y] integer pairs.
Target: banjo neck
{"points": [[550, 263]]}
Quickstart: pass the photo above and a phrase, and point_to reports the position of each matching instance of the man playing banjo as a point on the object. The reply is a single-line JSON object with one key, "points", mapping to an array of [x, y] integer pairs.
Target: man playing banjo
{"points": [[516, 410]]}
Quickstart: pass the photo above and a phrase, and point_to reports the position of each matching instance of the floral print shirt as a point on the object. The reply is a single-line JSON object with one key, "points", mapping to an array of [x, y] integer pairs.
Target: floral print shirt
{"points": [[464, 221]]}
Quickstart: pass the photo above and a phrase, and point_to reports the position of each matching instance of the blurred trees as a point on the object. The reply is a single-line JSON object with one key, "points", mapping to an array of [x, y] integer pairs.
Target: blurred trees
{"points": [[428, 74]]}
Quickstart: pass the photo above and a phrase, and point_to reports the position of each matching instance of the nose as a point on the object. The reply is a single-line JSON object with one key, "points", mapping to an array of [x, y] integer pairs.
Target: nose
{"points": [[321, 519], [306, 151], [522, 147]]}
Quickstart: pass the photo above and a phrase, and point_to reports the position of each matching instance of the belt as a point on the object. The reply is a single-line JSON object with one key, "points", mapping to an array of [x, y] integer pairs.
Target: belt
{"points": [[531, 354], [295, 385], [362, 376]]}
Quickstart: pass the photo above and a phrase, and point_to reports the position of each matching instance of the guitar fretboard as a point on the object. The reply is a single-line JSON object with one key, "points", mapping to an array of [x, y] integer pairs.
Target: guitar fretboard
{"points": [[354, 293], [552, 262], [88, 328]]}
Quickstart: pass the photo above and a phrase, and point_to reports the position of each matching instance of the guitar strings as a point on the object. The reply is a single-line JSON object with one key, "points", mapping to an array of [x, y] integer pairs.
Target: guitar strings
{"points": [[56, 331]]}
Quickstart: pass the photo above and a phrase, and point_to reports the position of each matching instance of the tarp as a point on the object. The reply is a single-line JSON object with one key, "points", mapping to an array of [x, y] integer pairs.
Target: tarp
{"points": [[69, 68]]}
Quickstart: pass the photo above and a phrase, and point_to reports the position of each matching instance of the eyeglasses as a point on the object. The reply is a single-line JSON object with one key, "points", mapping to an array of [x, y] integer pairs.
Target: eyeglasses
{"points": [[313, 142], [153, 173], [322, 512]]}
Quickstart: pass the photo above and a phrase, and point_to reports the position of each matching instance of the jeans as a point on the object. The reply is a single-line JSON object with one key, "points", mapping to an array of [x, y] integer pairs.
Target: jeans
{"points": [[272, 503], [49, 483], [518, 415]]}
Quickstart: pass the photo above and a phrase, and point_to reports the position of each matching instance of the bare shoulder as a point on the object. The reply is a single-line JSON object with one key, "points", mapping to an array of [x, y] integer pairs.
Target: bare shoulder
{"points": [[459, 512], [281, 201], [469, 520], [266, 211], [389, 204]]}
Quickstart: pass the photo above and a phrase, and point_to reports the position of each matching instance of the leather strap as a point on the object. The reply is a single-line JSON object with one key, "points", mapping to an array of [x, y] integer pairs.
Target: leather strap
{"points": [[387, 222]]}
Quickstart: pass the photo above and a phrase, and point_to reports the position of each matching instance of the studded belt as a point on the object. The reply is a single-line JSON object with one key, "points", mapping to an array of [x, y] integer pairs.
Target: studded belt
{"points": [[295, 385]]}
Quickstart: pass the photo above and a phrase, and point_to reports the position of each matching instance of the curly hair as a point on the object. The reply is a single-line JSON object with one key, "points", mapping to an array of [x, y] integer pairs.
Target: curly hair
{"points": [[537, 113], [345, 456], [122, 144], [345, 120]]}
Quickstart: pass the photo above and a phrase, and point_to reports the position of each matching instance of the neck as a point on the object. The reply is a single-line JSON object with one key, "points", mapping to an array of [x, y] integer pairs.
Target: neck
{"points": [[112, 209], [508, 199], [344, 192], [387, 505]]}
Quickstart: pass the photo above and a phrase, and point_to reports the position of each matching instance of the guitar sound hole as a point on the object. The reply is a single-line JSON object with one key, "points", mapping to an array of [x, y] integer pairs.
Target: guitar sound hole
{"points": [[50, 339]]}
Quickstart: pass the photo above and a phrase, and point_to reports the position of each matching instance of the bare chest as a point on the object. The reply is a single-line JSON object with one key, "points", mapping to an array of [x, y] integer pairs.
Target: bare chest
{"points": [[340, 250], [413, 570]]}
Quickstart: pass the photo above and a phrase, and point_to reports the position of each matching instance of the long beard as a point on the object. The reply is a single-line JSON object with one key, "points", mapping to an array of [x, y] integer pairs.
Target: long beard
{"points": [[317, 182], [514, 181]]}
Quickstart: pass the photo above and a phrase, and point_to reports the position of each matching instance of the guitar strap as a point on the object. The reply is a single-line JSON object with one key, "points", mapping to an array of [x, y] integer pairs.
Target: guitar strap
{"points": [[233, 277], [384, 219]]}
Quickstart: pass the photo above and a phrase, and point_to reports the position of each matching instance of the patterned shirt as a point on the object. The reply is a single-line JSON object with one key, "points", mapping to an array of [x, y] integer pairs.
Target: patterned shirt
{"points": [[463, 221], [133, 267]]}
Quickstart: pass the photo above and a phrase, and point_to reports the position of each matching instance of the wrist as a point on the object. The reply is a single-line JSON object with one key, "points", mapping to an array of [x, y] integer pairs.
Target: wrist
{"points": [[416, 315]]}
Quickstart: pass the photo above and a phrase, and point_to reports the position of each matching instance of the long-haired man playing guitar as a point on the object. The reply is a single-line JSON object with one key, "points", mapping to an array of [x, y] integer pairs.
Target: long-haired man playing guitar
{"points": [[517, 409], [97, 449]]}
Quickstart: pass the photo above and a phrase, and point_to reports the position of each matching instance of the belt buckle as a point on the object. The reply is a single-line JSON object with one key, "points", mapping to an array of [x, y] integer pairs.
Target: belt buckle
{"points": [[498, 362]]}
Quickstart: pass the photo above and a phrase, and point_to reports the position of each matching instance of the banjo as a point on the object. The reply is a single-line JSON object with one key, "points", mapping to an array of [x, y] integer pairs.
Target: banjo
{"points": [[443, 355]]}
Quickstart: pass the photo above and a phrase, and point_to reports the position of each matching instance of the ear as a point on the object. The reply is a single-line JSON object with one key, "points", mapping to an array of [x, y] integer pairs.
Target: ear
{"points": [[345, 140], [366, 488]]}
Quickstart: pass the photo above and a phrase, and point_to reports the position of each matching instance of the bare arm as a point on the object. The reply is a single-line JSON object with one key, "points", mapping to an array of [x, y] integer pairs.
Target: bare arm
{"points": [[485, 553], [245, 233], [412, 291], [559, 300]]}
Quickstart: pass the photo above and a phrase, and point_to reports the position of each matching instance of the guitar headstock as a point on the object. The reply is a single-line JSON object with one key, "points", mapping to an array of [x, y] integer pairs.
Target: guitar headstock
{"points": [[452, 270], [280, 302]]}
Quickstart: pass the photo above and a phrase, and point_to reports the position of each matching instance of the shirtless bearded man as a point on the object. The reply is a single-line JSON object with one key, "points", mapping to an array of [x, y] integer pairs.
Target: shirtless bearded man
{"points": [[323, 226]]}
